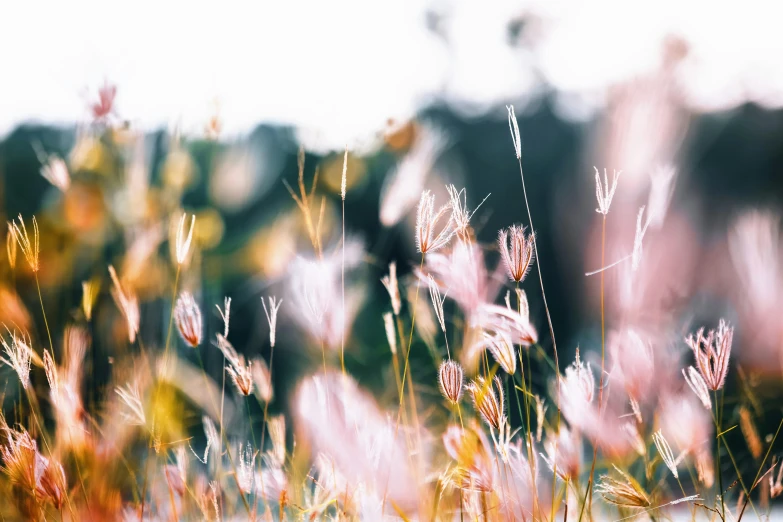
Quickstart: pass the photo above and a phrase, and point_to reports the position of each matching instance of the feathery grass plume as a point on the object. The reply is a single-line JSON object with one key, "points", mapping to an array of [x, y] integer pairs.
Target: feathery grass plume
{"points": [[450, 380], [426, 221], [90, 291], [437, 302], [187, 316], [276, 427], [241, 373], [213, 439], [52, 484], [699, 387], [495, 318], [776, 482], [577, 389], [131, 397], [488, 399], [390, 283], [540, 416], [55, 171], [565, 450], [344, 177], [661, 189], [626, 492], [460, 215], [391, 334], [52, 376], [501, 347], [604, 191], [518, 257], [18, 355], [246, 468], [633, 436], [712, 353], [750, 433], [30, 249], [665, 451], [128, 304], [183, 241], [225, 313], [11, 245], [262, 378], [271, 317], [513, 127]]}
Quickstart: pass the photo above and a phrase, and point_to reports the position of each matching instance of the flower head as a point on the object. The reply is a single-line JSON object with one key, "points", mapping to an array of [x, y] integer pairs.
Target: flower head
{"points": [[450, 380], [183, 241], [18, 356], [104, 106], [666, 452], [241, 373], [390, 282], [518, 256], [426, 222], [604, 192], [712, 354], [271, 317], [128, 304], [30, 249], [187, 315], [565, 451], [699, 387], [501, 347], [623, 492], [488, 399]]}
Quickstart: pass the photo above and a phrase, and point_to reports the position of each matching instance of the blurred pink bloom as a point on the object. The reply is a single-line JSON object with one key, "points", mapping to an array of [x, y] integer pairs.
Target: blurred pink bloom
{"points": [[104, 106], [569, 452], [633, 362], [684, 422], [336, 418], [315, 286]]}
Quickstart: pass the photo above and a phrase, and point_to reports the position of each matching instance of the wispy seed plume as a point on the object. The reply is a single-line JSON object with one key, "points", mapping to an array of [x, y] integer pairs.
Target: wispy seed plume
{"points": [[390, 283], [183, 240], [604, 191], [271, 317]]}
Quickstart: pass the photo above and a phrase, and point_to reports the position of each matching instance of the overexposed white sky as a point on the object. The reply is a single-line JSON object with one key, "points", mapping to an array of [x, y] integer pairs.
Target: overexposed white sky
{"points": [[338, 70]]}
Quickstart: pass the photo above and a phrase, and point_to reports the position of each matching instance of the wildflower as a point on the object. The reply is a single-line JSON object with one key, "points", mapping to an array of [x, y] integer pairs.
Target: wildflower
{"points": [[604, 192], [128, 304], [10, 245], [391, 335], [390, 282], [699, 387], [55, 171], [187, 315], [666, 452], [276, 427], [426, 221], [519, 257], [513, 126], [130, 396], [750, 433], [489, 404], [262, 378], [183, 243], [712, 354], [502, 349], [30, 249], [450, 380], [19, 355], [271, 317], [564, 450], [225, 313], [626, 493], [437, 302]]}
